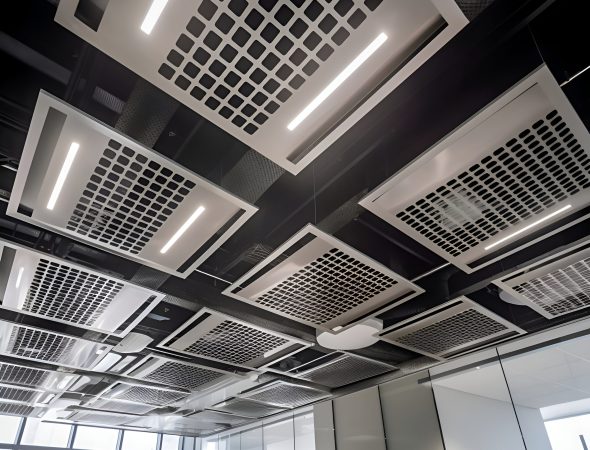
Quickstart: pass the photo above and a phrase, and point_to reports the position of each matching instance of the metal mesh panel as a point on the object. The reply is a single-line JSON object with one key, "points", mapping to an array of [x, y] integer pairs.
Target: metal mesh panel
{"points": [[101, 419], [541, 166], [561, 291], [14, 409], [286, 395], [217, 418], [124, 407], [67, 293], [328, 287], [17, 394], [457, 330], [247, 408], [149, 396], [472, 8], [22, 375], [417, 364], [345, 370], [246, 90], [37, 344], [235, 343], [127, 199], [183, 375]]}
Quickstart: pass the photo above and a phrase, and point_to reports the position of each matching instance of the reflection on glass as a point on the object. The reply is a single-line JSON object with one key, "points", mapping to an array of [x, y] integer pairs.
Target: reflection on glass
{"points": [[550, 384], [231, 442], [209, 443], [251, 439], [139, 440], [304, 432], [279, 436], [43, 433], [170, 442], [86, 438], [8, 429], [473, 403]]}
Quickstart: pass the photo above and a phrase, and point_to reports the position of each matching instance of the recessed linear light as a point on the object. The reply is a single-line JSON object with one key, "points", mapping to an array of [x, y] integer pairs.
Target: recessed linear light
{"points": [[63, 173], [152, 16], [19, 277], [185, 226], [528, 227], [336, 82]]}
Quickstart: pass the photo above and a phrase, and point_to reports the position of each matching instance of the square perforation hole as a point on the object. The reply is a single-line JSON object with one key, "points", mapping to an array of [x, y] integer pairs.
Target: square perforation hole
{"points": [[269, 32]]}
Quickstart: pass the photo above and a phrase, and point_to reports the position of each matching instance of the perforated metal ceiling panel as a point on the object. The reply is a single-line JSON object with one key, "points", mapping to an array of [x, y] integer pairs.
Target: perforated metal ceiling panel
{"points": [[65, 292], [33, 343], [216, 417], [84, 179], [285, 395], [321, 282], [220, 337], [141, 394], [37, 378], [247, 408], [19, 394], [345, 369], [16, 409], [252, 67], [519, 165], [121, 406], [178, 373], [449, 329], [555, 286], [100, 418]]}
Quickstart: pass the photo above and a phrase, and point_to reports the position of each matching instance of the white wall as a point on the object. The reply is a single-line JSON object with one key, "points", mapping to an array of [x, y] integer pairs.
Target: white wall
{"points": [[533, 428]]}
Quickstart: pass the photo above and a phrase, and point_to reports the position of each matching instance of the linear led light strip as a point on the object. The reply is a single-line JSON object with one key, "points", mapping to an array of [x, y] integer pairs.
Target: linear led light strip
{"points": [[528, 227], [336, 82], [185, 226], [63, 173], [152, 16]]}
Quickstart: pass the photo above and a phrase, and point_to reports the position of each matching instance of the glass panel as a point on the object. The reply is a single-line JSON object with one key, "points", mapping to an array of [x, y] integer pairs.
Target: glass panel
{"points": [[170, 442], [209, 443], [251, 439], [86, 438], [473, 404], [139, 440], [8, 429], [549, 384], [188, 443], [304, 432], [231, 442], [279, 436], [48, 434]]}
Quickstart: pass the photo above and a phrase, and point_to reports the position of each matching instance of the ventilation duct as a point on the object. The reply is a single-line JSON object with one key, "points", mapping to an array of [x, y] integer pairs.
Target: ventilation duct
{"points": [[284, 395], [223, 338], [449, 329], [298, 73], [320, 281], [555, 286], [177, 373], [342, 370], [84, 179], [520, 165], [58, 290], [32, 343]]}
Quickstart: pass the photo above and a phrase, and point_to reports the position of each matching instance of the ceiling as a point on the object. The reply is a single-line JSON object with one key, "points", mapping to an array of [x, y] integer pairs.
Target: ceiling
{"points": [[285, 249]]}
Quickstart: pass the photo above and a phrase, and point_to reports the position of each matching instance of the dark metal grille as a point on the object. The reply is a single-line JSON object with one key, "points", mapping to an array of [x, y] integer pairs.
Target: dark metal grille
{"points": [[328, 287], [22, 375], [127, 199], [150, 396], [70, 294], [244, 60], [183, 375], [37, 344], [17, 394], [538, 168], [287, 395], [14, 409]]}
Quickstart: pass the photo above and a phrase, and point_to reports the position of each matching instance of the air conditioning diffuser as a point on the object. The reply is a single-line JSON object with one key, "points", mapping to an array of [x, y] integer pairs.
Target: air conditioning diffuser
{"points": [[450, 329], [18, 409], [252, 68], [141, 394], [27, 342], [120, 406], [284, 395], [247, 408], [23, 375], [555, 286], [178, 373], [101, 418], [65, 292], [518, 166], [220, 337], [343, 370], [322, 282], [9, 393], [84, 179]]}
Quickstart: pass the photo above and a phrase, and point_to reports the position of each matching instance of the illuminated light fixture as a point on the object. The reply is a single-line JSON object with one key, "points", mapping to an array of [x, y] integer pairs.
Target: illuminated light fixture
{"points": [[19, 277], [528, 227], [336, 82], [63, 173], [153, 15], [185, 226]]}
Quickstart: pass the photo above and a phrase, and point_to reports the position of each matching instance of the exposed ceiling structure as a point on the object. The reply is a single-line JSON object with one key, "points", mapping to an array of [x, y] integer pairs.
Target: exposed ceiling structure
{"points": [[192, 191]]}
